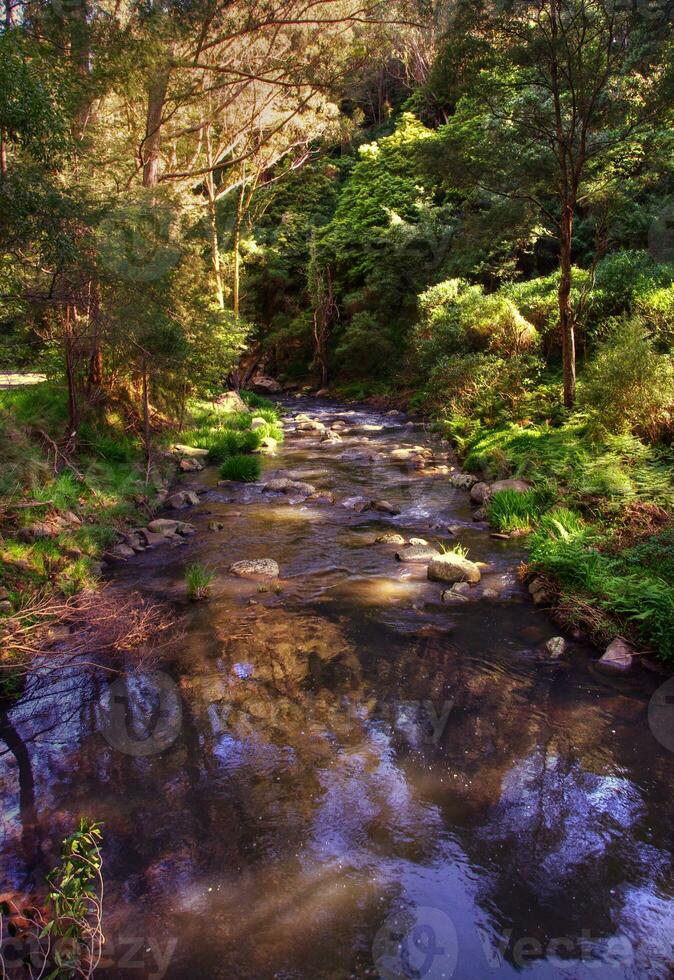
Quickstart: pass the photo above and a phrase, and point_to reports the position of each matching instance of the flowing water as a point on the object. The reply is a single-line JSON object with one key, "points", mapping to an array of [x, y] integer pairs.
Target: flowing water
{"points": [[349, 776]]}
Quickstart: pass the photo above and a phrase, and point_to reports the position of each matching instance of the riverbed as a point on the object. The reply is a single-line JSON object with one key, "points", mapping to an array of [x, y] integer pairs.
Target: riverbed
{"points": [[343, 772]]}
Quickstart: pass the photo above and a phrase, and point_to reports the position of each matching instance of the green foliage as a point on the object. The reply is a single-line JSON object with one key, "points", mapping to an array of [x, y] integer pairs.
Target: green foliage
{"points": [[453, 549], [75, 889], [232, 442], [629, 386], [481, 385], [635, 587], [508, 510], [259, 403], [198, 580], [245, 469]]}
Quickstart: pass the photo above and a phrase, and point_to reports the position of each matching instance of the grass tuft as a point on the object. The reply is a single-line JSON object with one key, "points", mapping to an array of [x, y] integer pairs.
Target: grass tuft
{"points": [[245, 469], [198, 580]]}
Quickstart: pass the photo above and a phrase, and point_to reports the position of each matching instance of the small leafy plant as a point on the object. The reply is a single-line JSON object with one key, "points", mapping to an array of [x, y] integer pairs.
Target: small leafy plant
{"points": [[453, 549], [198, 580]]}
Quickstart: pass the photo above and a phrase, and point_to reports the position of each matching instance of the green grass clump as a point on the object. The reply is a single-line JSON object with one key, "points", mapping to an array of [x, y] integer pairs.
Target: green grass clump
{"points": [[245, 469], [198, 580], [253, 400], [453, 549], [232, 443], [510, 511]]}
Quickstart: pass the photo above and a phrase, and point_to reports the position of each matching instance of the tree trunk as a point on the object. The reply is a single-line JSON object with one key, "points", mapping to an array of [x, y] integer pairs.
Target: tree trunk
{"points": [[213, 220], [566, 318], [95, 379], [147, 436], [3, 154], [237, 244], [152, 143], [69, 352]]}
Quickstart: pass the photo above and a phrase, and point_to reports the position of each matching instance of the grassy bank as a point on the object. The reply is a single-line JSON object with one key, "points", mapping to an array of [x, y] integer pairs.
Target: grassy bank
{"points": [[60, 515], [599, 516]]}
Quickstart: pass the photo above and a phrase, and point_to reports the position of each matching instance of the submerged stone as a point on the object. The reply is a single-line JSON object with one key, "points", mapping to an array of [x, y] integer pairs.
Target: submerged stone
{"points": [[256, 568]]}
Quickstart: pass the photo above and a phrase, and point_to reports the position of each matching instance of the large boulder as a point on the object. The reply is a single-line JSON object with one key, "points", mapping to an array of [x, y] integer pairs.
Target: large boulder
{"points": [[264, 384], [231, 401], [257, 422], [169, 528], [451, 567], [256, 568], [479, 493], [517, 486], [190, 465], [385, 507]]}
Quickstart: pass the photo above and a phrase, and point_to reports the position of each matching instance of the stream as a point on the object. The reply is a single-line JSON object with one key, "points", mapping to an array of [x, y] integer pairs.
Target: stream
{"points": [[347, 775]]}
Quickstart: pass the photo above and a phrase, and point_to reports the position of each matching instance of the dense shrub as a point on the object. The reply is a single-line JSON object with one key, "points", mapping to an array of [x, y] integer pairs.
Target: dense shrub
{"points": [[364, 347], [629, 386], [483, 385]]}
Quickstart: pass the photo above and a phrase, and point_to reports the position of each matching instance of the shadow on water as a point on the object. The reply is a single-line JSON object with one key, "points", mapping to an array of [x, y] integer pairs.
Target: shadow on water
{"points": [[351, 777]]}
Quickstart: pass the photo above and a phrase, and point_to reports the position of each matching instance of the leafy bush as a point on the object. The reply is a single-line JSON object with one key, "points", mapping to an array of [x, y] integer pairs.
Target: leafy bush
{"points": [[253, 400], [455, 318], [629, 386], [364, 347], [245, 469], [508, 510], [481, 385]]}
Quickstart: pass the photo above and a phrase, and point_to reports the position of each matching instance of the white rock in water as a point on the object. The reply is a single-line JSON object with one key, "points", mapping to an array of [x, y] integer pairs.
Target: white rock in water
{"points": [[256, 568], [556, 646], [618, 657]]}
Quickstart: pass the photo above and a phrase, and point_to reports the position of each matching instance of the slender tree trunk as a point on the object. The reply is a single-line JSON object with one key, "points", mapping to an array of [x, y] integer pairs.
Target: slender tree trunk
{"points": [[95, 379], [237, 247], [3, 154], [152, 144], [566, 318], [147, 435], [69, 345], [213, 221]]}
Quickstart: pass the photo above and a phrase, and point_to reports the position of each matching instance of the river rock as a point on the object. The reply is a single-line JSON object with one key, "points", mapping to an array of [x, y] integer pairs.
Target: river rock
{"points": [[385, 507], [453, 568], [268, 445], [421, 542], [463, 481], [231, 401], [151, 538], [256, 568], [417, 553], [331, 437], [260, 382], [390, 537], [166, 527], [311, 426], [338, 426], [556, 646], [216, 526], [479, 493], [193, 452], [257, 422], [359, 504], [618, 657], [190, 465], [37, 531], [323, 393], [182, 499], [480, 515], [122, 552], [517, 486], [285, 485], [321, 497]]}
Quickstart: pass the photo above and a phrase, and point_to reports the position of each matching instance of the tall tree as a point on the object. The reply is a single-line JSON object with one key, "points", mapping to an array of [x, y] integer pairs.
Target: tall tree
{"points": [[561, 102]]}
